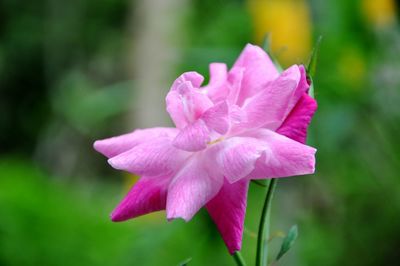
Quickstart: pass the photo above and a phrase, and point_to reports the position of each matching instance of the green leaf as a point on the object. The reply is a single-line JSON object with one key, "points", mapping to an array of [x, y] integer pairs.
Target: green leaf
{"points": [[311, 89], [267, 43], [185, 262], [288, 241], [312, 62]]}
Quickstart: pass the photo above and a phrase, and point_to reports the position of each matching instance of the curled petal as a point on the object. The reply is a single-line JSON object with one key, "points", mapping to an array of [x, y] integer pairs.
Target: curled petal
{"points": [[186, 103], [296, 124], [175, 109], [152, 158], [193, 77], [302, 88], [191, 189], [227, 209], [217, 89], [148, 195], [113, 146]]}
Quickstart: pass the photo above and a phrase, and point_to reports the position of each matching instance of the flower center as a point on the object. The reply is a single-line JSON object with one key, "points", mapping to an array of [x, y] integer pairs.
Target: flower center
{"points": [[215, 141]]}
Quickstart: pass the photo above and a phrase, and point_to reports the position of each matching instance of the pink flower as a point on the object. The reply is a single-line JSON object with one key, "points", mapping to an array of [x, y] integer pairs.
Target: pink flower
{"points": [[248, 123]]}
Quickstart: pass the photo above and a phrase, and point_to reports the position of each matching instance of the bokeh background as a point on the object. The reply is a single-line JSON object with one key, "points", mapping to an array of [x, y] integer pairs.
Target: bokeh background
{"points": [[75, 71]]}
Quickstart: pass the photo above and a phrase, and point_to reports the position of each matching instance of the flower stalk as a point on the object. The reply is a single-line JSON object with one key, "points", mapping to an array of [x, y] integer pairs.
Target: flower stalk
{"points": [[263, 229], [239, 259]]}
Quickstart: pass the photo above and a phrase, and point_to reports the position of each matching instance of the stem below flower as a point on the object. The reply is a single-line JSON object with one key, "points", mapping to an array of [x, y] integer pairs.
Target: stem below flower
{"points": [[239, 259], [262, 249]]}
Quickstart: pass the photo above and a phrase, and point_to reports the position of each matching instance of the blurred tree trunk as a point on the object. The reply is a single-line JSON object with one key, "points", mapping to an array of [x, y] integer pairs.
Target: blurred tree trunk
{"points": [[155, 48]]}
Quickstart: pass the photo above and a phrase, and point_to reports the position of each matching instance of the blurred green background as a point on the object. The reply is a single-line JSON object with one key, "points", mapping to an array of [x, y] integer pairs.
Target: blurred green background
{"points": [[75, 71]]}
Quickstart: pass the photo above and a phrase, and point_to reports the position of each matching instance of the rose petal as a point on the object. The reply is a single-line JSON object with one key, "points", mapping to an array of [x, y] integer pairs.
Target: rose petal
{"points": [[193, 77], [259, 70], [216, 117], [186, 103], [236, 156], [227, 209], [148, 195], [193, 137], [152, 158], [296, 124], [113, 146], [302, 87], [217, 88], [194, 185], [270, 106], [284, 157], [235, 78]]}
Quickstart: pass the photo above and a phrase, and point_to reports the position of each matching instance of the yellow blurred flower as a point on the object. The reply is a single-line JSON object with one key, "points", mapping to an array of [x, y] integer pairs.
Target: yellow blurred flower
{"points": [[379, 13], [289, 24]]}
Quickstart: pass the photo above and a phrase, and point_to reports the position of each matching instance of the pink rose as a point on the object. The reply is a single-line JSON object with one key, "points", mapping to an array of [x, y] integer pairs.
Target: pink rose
{"points": [[248, 123]]}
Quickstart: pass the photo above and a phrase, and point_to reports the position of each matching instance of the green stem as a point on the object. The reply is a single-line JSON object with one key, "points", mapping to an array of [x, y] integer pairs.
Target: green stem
{"points": [[239, 259], [262, 249]]}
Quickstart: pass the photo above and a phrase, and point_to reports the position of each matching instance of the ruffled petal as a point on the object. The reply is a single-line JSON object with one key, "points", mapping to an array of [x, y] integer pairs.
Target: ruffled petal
{"points": [[193, 137], [193, 77], [235, 78], [270, 106], [217, 89], [216, 118], [296, 124], [152, 158], [113, 146], [284, 157], [194, 185], [175, 109], [259, 70], [227, 209], [218, 73], [185, 101], [148, 195]]}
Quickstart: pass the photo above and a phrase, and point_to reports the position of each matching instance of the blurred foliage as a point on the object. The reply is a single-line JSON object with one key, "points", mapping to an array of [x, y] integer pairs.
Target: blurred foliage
{"points": [[63, 84], [48, 222], [40, 42], [44, 223]]}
